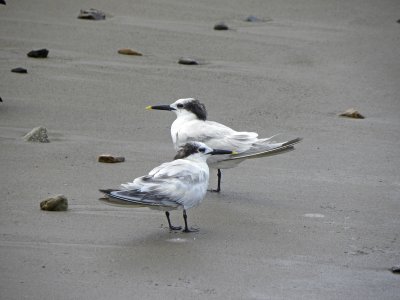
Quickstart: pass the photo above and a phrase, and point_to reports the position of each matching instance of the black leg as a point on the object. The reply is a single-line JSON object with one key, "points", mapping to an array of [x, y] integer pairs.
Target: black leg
{"points": [[186, 226], [169, 223], [219, 174]]}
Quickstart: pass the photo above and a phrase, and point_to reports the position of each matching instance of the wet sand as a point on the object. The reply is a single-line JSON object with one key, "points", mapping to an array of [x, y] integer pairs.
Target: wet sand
{"points": [[321, 222]]}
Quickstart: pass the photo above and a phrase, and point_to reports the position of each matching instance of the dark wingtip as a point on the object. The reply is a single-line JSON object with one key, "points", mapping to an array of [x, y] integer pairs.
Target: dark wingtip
{"points": [[292, 142], [107, 191]]}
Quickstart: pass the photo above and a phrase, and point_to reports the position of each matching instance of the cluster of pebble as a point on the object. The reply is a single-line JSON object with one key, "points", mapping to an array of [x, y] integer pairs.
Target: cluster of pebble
{"points": [[39, 134]]}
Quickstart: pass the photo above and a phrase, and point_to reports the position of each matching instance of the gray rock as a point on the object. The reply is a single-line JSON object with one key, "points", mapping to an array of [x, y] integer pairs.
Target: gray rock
{"points": [[92, 14], [396, 269], [19, 70], [41, 53], [188, 61], [38, 135], [221, 26], [252, 18], [352, 113], [56, 203]]}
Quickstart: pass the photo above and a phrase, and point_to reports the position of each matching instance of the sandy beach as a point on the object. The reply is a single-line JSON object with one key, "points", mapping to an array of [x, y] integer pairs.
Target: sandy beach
{"points": [[320, 222]]}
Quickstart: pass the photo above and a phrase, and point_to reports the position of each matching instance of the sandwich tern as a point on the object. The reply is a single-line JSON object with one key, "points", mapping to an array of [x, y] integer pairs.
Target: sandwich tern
{"points": [[178, 184], [191, 124]]}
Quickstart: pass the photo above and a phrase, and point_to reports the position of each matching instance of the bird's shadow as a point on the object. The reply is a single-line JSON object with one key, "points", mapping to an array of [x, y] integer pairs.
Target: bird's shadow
{"points": [[156, 251], [166, 236]]}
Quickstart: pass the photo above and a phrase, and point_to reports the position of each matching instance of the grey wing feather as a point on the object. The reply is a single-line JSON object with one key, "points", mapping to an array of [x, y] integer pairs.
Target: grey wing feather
{"points": [[165, 186], [267, 151], [137, 198]]}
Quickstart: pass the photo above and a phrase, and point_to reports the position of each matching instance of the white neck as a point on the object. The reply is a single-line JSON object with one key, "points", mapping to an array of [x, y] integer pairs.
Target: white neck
{"points": [[182, 117]]}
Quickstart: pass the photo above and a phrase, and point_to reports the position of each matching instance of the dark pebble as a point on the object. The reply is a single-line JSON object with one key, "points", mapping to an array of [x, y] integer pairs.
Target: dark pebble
{"points": [[1, 100], [110, 159], [221, 26], [396, 269], [92, 14], [41, 53], [398, 21], [128, 51], [187, 61], [19, 70]]}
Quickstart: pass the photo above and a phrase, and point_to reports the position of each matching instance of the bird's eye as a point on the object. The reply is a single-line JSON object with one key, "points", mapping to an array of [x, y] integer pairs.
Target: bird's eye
{"points": [[202, 150], [179, 105]]}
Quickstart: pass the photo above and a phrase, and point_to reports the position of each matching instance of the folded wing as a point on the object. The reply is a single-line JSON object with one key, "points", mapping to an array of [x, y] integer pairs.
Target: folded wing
{"points": [[167, 186]]}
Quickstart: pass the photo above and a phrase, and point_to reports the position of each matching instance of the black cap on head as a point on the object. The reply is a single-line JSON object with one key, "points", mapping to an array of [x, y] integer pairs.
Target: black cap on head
{"points": [[186, 150], [198, 108]]}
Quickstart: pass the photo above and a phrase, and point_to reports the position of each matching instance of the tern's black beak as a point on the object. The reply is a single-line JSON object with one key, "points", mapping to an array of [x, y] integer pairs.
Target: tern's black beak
{"points": [[160, 107], [217, 151]]}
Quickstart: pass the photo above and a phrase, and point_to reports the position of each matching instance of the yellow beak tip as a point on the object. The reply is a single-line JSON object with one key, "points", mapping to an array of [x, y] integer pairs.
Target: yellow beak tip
{"points": [[149, 107], [234, 153]]}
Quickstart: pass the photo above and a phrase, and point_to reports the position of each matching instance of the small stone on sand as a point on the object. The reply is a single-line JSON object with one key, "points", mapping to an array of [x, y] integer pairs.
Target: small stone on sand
{"points": [[352, 113], [252, 18], [221, 26], [41, 53], [127, 51], [188, 61], [396, 269], [110, 159], [56, 203], [19, 70], [92, 14], [37, 134]]}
